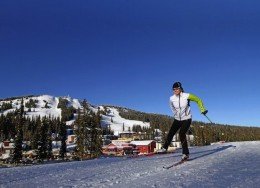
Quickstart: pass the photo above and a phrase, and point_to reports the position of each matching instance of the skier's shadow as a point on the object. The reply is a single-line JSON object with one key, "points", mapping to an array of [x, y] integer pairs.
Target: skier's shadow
{"points": [[204, 153], [176, 154], [210, 152]]}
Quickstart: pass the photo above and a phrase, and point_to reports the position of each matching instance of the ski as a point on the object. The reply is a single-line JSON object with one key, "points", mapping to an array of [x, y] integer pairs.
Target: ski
{"points": [[175, 164]]}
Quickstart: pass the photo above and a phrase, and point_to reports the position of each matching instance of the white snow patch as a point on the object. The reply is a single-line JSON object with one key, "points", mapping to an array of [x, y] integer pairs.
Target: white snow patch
{"points": [[116, 122]]}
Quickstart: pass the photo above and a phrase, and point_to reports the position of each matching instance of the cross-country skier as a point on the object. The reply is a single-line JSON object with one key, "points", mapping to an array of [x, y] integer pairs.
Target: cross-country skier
{"points": [[179, 103]]}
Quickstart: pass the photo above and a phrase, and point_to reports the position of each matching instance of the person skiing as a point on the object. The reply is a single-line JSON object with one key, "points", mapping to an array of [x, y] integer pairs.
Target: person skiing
{"points": [[179, 103]]}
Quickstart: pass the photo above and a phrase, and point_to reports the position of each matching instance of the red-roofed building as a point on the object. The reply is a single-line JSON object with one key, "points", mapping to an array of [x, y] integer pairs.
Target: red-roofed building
{"points": [[145, 146], [119, 149]]}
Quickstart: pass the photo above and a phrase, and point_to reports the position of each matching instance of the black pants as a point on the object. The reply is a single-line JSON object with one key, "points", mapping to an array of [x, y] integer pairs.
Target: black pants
{"points": [[184, 127]]}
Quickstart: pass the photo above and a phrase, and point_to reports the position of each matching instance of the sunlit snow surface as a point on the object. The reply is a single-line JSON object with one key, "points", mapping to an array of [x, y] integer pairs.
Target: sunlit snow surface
{"points": [[220, 165]]}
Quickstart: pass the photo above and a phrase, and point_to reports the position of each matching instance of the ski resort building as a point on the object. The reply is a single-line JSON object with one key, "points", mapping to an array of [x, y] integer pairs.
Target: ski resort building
{"points": [[130, 136], [6, 148], [145, 146], [120, 149]]}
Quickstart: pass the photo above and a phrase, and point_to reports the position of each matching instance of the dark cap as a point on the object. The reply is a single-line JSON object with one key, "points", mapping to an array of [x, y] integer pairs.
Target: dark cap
{"points": [[177, 85]]}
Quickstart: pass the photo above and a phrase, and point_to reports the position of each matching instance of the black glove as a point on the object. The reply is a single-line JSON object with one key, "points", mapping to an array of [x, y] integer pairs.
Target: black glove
{"points": [[205, 112]]}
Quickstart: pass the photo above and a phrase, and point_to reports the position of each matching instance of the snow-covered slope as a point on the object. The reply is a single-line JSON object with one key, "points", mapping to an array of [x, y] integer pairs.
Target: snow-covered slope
{"points": [[41, 110], [111, 118], [220, 165], [119, 124]]}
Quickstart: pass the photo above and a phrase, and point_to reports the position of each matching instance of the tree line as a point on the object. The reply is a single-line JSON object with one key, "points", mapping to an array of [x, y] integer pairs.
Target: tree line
{"points": [[204, 133], [32, 134], [38, 133], [89, 133]]}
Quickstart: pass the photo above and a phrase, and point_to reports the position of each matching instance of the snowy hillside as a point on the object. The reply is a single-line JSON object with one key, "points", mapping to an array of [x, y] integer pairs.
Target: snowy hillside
{"points": [[47, 105], [117, 123], [220, 165]]}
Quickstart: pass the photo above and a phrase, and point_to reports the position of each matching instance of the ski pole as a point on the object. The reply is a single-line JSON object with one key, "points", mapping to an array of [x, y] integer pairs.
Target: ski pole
{"points": [[207, 118]]}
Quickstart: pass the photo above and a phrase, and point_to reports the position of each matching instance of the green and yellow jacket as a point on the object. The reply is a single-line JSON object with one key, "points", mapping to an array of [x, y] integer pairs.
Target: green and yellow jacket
{"points": [[180, 105]]}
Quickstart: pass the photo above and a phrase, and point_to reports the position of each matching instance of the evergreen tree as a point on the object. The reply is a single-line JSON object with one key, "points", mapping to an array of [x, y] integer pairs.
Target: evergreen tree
{"points": [[26, 129], [79, 132], [31, 103], [36, 133], [96, 134], [85, 104], [63, 136], [17, 155], [46, 105], [3, 128], [42, 143], [6, 106], [87, 131], [49, 141], [67, 113]]}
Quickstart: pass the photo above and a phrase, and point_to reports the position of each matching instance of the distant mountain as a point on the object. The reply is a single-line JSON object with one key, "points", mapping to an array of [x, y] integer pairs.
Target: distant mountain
{"points": [[43, 105], [50, 106]]}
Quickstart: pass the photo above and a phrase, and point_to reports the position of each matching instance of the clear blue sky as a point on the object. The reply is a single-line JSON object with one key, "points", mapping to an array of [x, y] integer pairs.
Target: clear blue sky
{"points": [[129, 53]]}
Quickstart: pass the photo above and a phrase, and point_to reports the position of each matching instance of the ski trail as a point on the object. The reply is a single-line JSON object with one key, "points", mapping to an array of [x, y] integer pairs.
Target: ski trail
{"points": [[220, 165]]}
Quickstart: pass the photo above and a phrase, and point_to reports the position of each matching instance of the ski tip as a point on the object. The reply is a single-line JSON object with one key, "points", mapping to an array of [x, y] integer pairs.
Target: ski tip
{"points": [[161, 153], [167, 167]]}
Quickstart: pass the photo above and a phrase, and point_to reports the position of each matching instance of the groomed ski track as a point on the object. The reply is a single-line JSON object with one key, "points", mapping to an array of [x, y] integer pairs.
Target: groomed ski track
{"points": [[220, 165]]}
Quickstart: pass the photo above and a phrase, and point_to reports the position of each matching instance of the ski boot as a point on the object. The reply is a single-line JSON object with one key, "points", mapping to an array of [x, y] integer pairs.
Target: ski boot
{"points": [[162, 151], [185, 157]]}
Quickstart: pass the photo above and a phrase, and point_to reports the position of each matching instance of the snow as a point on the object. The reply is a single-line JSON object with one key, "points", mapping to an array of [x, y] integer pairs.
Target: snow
{"points": [[142, 142], [40, 110], [219, 165], [53, 111], [118, 122]]}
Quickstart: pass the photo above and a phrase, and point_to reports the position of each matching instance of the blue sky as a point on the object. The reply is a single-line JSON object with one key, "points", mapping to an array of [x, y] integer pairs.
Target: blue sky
{"points": [[129, 53]]}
